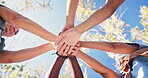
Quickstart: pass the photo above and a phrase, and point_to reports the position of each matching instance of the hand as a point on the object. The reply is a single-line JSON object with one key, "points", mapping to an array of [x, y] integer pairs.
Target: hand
{"points": [[64, 49], [66, 27], [74, 51], [68, 39]]}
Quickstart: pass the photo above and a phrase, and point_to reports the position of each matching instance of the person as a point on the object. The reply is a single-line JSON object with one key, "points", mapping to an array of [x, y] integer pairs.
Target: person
{"points": [[70, 37], [10, 23], [55, 68], [133, 65]]}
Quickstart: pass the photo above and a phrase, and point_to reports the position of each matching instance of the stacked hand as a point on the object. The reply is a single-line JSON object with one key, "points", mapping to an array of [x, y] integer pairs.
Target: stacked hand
{"points": [[73, 52], [67, 42]]}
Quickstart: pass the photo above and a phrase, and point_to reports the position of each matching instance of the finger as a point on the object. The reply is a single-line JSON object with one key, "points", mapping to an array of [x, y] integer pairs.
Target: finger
{"points": [[60, 45], [78, 44], [60, 53], [75, 48], [73, 52], [66, 50], [76, 51], [70, 50], [61, 50], [70, 54]]}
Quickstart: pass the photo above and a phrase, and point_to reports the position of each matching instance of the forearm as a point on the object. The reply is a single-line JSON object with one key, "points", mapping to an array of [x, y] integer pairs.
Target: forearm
{"points": [[26, 54], [77, 73], [25, 23], [97, 66], [114, 47], [99, 16], [55, 68], [33, 27], [98, 45], [71, 11]]}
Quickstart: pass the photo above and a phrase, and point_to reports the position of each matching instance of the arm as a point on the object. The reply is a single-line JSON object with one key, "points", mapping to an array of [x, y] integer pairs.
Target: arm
{"points": [[70, 17], [71, 36], [115, 47], [70, 14], [96, 66], [25, 23], [55, 68], [99, 16], [77, 73], [22, 55]]}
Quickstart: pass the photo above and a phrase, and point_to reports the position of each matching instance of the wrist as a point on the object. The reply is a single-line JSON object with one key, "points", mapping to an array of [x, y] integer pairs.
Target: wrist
{"points": [[52, 47], [80, 43], [52, 38], [77, 30], [69, 23]]}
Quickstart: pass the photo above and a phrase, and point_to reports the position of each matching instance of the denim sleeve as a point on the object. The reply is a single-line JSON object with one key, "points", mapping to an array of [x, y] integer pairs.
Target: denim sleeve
{"points": [[142, 46]]}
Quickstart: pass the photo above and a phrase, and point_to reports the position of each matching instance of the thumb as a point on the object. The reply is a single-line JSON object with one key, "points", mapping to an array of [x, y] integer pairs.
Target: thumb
{"points": [[64, 30]]}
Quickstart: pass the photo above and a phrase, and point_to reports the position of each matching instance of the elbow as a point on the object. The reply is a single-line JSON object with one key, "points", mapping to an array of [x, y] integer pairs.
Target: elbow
{"points": [[101, 72], [109, 74], [12, 59], [111, 10], [8, 60], [112, 5], [9, 57], [16, 17]]}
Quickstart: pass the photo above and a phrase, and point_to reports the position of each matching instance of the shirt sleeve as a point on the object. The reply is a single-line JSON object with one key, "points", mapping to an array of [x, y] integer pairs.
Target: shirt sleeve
{"points": [[142, 46]]}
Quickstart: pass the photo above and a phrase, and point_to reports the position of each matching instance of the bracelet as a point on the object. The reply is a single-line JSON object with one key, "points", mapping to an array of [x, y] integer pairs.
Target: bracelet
{"points": [[60, 55]]}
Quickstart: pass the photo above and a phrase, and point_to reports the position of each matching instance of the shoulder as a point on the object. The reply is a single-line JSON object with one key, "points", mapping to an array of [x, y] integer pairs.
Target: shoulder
{"points": [[1, 7]]}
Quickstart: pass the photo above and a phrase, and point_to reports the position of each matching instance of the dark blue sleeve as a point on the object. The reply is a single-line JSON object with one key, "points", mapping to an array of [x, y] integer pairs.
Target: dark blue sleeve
{"points": [[142, 46], [2, 5], [133, 44]]}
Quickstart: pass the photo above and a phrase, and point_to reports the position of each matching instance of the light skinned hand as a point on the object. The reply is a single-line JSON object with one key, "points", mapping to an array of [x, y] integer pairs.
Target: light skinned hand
{"points": [[67, 40], [76, 49], [66, 27]]}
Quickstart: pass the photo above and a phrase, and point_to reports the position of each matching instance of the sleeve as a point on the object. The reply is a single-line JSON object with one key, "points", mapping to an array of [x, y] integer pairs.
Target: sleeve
{"points": [[133, 44], [2, 5], [142, 46]]}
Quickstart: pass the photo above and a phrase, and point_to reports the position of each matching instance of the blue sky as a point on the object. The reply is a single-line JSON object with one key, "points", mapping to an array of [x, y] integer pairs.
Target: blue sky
{"points": [[54, 21]]}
